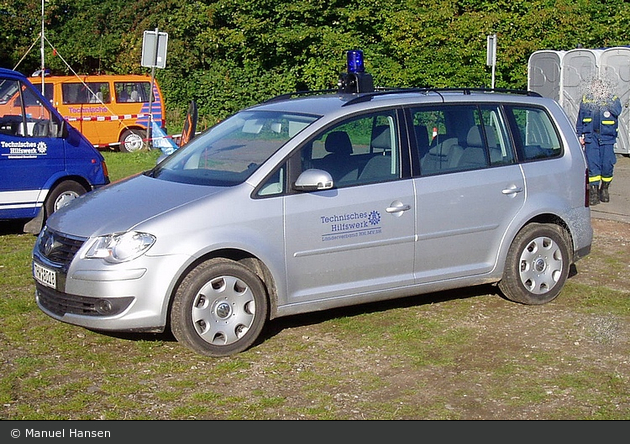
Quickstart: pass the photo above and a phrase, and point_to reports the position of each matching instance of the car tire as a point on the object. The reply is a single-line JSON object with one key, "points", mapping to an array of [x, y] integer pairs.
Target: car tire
{"points": [[537, 265], [62, 195], [219, 309], [132, 141]]}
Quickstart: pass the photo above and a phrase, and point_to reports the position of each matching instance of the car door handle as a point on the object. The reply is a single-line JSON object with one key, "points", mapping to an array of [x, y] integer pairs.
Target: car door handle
{"points": [[512, 190], [397, 207]]}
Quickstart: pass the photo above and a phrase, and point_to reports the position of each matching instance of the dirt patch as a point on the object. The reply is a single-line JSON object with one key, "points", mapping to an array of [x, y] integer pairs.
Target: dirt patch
{"points": [[556, 361], [611, 240]]}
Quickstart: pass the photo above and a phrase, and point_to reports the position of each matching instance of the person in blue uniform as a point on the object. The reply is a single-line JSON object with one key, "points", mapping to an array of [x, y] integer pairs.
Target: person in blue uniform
{"points": [[597, 125]]}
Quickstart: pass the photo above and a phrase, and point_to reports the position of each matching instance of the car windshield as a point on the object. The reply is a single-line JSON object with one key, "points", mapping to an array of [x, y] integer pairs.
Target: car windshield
{"points": [[228, 153]]}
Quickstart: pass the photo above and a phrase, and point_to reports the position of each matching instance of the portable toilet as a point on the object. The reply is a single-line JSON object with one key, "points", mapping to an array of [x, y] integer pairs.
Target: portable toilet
{"points": [[565, 75], [614, 68], [580, 67], [543, 73]]}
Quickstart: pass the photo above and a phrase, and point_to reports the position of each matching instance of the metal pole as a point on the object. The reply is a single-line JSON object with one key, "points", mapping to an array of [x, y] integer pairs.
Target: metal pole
{"points": [[494, 57], [155, 58], [42, 49], [491, 53]]}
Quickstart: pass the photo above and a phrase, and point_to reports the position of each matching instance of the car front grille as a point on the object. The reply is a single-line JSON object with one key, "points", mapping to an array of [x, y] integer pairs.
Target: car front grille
{"points": [[58, 248]]}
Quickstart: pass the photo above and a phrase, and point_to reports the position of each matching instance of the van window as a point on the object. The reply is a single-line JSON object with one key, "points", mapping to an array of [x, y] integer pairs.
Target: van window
{"points": [[22, 113], [500, 149], [80, 93], [132, 91], [232, 150], [48, 93]]}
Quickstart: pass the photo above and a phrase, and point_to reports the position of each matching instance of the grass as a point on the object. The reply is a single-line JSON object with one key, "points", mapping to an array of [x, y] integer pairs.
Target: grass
{"points": [[465, 354], [121, 165]]}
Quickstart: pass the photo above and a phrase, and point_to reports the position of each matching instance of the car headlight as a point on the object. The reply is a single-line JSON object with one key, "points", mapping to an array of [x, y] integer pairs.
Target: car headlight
{"points": [[120, 247]]}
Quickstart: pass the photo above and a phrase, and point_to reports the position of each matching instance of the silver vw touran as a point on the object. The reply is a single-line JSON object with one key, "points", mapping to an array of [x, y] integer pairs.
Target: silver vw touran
{"points": [[312, 201]]}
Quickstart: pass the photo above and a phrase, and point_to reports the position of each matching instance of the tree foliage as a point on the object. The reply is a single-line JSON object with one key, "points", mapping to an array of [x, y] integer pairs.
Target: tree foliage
{"points": [[227, 54]]}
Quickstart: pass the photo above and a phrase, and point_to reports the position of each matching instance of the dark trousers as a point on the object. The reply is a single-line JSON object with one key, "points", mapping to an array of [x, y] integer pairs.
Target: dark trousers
{"points": [[601, 160]]}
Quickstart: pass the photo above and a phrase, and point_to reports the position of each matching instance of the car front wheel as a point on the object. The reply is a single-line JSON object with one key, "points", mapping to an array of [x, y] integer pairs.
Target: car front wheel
{"points": [[537, 265], [219, 309]]}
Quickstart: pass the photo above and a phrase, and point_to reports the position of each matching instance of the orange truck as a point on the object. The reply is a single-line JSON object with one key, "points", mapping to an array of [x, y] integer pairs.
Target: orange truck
{"points": [[112, 111]]}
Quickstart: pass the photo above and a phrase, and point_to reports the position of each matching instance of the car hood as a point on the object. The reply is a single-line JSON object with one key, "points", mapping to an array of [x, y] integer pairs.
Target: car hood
{"points": [[123, 205]]}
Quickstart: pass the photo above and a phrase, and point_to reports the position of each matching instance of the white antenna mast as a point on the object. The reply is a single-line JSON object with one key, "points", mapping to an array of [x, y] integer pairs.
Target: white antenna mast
{"points": [[42, 48]]}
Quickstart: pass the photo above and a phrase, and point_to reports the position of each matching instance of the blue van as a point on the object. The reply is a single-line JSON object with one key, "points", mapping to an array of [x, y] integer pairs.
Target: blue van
{"points": [[44, 161]]}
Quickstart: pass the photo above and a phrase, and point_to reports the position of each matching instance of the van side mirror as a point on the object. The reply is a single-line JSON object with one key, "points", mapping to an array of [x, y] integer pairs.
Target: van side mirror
{"points": [[313, 180]]}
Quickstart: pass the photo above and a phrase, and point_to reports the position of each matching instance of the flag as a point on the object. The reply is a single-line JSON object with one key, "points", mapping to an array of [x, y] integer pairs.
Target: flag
{"points": [[190, 125], [161, 140]]}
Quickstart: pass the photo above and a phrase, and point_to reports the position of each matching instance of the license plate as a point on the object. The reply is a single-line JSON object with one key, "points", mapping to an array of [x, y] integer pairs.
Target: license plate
{"points": [[44, 275]]}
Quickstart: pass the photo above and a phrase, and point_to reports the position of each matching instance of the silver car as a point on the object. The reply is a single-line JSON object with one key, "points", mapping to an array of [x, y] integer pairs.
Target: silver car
{"points": [[316, 201]]}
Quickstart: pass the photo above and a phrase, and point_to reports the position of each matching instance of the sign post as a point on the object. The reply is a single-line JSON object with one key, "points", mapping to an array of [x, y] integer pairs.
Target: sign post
{"points": [[154, 44], [491, 54]]}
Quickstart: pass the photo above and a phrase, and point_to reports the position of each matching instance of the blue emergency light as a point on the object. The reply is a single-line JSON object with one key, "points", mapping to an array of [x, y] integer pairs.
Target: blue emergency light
{"points": [[38, 73], [356, 80], [355, 61]]}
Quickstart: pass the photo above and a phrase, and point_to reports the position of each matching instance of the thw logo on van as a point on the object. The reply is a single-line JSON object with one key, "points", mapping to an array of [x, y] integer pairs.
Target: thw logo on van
{"points": [[24, 150]]}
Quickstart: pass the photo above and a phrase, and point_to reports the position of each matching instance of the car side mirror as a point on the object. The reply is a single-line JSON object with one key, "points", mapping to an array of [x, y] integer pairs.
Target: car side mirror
{"points": [[313, 180]]}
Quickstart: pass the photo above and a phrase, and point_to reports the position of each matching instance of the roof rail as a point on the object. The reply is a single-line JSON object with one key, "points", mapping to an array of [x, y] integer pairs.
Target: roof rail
{"points": [[287, 96], [380, 91], [466, 91]]}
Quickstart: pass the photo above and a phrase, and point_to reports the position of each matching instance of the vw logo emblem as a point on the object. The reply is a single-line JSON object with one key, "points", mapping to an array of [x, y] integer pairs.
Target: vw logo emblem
{"points": [[49, 246]]}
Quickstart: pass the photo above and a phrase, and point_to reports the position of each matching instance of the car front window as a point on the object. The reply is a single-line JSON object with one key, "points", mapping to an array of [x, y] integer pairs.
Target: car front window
{"points": [[231, 151]]}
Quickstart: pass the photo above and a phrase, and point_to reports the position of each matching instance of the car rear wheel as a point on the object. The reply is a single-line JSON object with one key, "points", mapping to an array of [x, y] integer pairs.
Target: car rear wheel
{"points": [[219, 309], [537, 265], [132, 140]]}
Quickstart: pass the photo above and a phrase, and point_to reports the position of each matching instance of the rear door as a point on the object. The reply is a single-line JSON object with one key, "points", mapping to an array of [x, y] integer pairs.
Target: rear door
{"points": [[465, 210]]}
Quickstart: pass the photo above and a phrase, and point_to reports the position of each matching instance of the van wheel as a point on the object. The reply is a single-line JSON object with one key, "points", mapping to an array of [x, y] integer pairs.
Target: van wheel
{"points": [[132, 140], [537, 265], [219, 309], [60, 196]]}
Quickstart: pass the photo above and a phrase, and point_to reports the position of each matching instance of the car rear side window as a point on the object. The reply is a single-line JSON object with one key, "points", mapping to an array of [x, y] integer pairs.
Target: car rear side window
{"points": [[451, 138], [534, 133]]}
